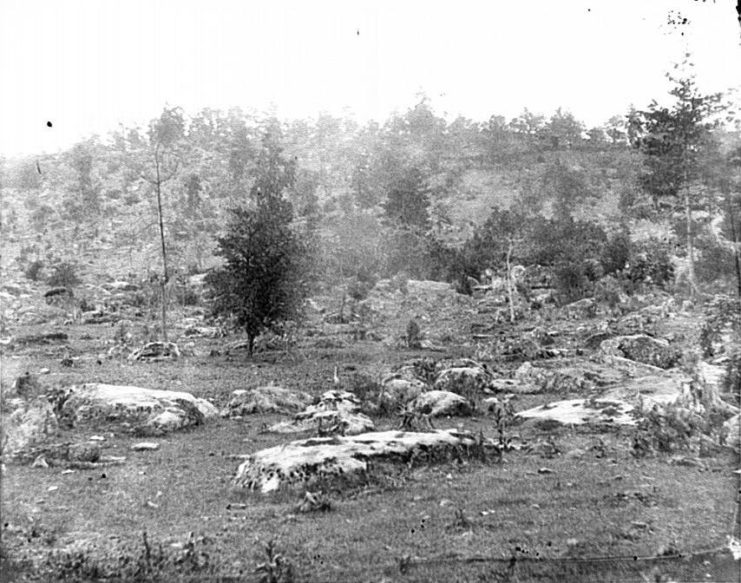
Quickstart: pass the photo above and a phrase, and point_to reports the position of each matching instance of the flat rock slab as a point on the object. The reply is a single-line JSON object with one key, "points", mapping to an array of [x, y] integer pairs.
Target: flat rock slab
{"points": [[299, 462], [267, 399], [583, 411], [648, 390], [150, 411]]}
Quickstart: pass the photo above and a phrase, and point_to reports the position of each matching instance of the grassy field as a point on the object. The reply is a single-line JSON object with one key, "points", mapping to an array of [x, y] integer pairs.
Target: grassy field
{"points": [[592, 511]]}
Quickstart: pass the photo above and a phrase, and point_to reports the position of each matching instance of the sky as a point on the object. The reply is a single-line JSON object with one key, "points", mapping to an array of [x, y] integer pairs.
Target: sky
{"points": [[89, 65]]}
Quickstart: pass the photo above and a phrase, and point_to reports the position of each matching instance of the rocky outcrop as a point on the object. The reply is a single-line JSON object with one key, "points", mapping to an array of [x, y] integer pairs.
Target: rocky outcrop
{"points": [[300, 463], [266, 399], [642, 348], [148, 411], [566, 378]]}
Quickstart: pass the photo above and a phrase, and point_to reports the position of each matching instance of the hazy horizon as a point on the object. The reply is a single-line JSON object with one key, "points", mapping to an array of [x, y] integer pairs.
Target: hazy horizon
{"points": [[89, 66]]}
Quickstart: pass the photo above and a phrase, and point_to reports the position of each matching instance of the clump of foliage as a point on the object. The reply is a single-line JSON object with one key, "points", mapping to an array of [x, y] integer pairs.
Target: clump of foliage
{"points": [[667, 428], [146, 563], [722, 315], [413, 334], [732, 376], [33, 270], [650, 263], [64, 274], [616, 253], [276, 567]]}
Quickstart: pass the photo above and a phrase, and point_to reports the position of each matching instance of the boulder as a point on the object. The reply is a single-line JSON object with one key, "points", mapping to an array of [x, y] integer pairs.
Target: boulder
{"points": [[299, 463], [438, 403], [396, 392], [583, 411], [517, 386], [148, 411], [337, 412], [266, 399], [464, 380], [642, 348], [32, 423]]}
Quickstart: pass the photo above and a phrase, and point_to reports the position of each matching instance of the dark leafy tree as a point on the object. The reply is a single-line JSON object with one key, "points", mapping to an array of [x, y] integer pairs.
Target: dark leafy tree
{"points": [[674, 141], [408, 199], [263, 281]]}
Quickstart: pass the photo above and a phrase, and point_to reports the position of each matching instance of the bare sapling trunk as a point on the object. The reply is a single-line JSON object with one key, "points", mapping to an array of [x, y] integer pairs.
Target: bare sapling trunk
{"points": [[735, 239], [691, 280], [510, 284], [165, 276]]}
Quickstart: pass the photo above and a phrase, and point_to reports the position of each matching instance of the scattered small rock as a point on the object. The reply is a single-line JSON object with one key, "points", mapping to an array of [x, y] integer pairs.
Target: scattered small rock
{"points": [[145, 446]]}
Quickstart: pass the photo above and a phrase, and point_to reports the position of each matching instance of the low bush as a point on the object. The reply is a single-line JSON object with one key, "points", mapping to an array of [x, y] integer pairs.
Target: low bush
{"points": [[33, 270], [64, 274]]}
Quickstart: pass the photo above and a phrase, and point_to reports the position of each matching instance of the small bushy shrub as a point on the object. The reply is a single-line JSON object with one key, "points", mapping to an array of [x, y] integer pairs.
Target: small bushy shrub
{"points": [[650, 263], [64, 274], [616, 253], [571, 282], [33, 270], [666, 429]]}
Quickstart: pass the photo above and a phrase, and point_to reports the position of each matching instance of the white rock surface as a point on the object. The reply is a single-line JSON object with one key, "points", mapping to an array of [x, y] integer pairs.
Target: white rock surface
{"points": [[155, 410], [300, 461], [581, 411], [30, 424]]}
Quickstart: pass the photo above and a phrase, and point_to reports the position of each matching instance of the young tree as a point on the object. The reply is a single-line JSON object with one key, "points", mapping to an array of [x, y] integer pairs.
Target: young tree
{"points": [[263, 280], [165, 133], [673, 140]]}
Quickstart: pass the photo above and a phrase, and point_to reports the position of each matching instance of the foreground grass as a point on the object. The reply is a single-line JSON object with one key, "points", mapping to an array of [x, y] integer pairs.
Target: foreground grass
{"points": [[528, 518]]}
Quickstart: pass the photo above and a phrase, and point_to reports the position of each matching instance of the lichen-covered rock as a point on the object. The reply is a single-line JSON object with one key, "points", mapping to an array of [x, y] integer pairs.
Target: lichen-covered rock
{"points": [[337, 412], [396, 392], [438, 403], [150, 411], [32, 423], [266, 399], [156, 351], [300, 462], [463, 380], [566, 379], [517, 386], [642, 348], [583, 411], [327, 423]]}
